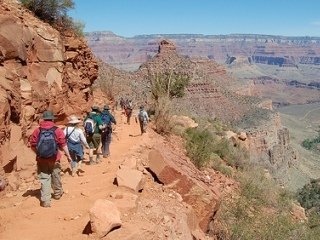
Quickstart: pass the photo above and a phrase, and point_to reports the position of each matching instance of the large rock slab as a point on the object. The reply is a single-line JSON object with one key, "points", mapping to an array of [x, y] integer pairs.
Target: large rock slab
{"points": [[104, 216], [194, 192]]}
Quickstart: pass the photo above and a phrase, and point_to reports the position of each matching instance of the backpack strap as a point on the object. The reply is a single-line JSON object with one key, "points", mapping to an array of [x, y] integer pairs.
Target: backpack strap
{"points": [[68, 135]]}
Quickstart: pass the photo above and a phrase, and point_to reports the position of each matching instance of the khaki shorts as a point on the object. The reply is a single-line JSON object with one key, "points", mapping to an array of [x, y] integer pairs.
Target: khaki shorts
{"points": [[94, 140]]}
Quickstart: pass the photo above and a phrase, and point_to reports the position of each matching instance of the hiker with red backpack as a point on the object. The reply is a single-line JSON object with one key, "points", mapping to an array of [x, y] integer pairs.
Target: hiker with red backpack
{"points": [[46, 140], [93, 127], [107, 120], [75, 138]]}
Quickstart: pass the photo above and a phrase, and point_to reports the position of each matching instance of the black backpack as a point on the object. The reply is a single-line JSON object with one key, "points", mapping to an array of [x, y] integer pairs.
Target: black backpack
{"points": [[47, 146]]}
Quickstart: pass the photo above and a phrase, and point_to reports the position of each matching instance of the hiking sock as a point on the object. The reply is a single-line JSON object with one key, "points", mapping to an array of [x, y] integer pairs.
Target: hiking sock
{"points": [[91, 160], [98, 159]]}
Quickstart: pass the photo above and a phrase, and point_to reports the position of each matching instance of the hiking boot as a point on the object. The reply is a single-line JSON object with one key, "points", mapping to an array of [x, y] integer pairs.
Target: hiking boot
{"points": [[58, 196], [45, 204], [92, 162]]}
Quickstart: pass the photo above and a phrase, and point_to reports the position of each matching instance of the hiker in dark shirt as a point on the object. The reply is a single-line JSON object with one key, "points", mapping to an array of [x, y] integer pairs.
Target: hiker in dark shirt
{"points": [[128, 110], [107, 120], [93, 133]]}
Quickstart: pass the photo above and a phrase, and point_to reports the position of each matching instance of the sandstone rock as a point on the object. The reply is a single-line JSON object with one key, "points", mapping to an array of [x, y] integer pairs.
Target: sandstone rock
{"points": [[242, 136], [129, 163], [130, 178], [298, 212], [104, 216], [124, 201], [184, 121], [3, 184], [195, 193]]}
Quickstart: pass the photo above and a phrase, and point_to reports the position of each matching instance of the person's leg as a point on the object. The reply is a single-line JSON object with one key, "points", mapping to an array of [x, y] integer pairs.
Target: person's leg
{"points": [[44, 175], [108, 141], [96, 141], [104, 144], [73, 162], [144, 126], [141, 126], [56, 181]]}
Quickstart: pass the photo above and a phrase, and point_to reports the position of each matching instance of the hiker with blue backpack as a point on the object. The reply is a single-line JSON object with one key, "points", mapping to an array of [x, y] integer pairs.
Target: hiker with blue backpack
{"points": [[143, 118], [45, 141], [75, 138], [93, 127], [107, 120]]}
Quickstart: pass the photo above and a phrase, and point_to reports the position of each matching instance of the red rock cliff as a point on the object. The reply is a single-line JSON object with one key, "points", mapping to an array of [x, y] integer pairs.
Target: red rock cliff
{"points": [[39, 69]]}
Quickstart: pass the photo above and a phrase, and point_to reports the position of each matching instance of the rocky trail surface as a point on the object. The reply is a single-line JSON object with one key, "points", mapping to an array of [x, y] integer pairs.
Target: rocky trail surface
{"points": [[157, 211], [23, 218]]}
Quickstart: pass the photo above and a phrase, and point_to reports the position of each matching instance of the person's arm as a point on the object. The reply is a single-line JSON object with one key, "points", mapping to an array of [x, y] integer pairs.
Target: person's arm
{"points": [[146, 116], [61, 139], [83, 139], [34, 139]]}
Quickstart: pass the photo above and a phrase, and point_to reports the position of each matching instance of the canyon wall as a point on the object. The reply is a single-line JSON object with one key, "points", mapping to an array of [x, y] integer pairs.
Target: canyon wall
{"points": [[130, 53], [39, 69]]}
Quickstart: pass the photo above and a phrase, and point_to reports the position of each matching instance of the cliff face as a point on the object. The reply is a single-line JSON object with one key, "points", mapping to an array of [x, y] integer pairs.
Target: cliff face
{"points": [[129, 53], [39, 69]]}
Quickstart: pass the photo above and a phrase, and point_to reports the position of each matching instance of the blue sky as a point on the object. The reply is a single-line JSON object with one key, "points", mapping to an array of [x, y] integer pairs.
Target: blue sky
{"points": [[134, 17]]}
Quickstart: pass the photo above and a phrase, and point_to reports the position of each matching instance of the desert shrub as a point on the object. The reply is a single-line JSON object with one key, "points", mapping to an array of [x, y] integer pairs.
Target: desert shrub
{"points": [[261, 210], [162, 116], [311, 143], [309, 195], [234, 156], [199, 146], [164, 87], [170, 84], [54, 12]]}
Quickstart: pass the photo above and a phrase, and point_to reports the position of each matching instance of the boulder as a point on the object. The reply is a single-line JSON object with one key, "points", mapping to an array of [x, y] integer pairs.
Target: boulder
{"points": [[104, 216], [204, 201], [129, 163], [130, 178]]}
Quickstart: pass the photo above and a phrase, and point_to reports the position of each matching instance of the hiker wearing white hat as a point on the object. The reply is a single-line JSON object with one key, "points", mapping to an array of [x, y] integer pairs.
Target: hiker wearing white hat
{"points": [[75, 138]]}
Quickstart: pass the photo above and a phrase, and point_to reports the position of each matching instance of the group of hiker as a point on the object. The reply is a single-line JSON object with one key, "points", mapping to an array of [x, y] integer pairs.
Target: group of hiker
{"points": [[48, 139]]}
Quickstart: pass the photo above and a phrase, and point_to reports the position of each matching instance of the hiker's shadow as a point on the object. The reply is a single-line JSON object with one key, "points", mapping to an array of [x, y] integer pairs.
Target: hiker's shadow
{"points": [[67, 170], [32, 193], [137, 135]]}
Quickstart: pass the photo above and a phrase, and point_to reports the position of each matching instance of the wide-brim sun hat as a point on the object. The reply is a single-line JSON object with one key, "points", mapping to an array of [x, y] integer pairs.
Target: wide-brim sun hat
{"points": [[95, 108], [48, 115], [73, 119], [106, 107]]}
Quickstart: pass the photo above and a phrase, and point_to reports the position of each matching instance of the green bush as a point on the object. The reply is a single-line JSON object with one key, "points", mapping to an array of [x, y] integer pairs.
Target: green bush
{"points": [[235, 156], [54, 12], [309, 195], [199, 146]]}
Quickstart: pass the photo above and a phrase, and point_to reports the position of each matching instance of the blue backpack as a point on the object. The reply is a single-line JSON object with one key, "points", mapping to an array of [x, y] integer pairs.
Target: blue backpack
{"points": [[89, 126], [47, 146], [106, 119]]}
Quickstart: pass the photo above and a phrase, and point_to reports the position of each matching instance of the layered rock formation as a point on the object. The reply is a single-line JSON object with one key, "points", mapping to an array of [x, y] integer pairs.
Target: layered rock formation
{"points": [[39, 69], [129, 53]]}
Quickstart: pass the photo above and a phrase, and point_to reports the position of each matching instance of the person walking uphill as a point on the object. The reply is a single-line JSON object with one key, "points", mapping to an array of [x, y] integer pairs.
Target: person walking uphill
{"points": [[93, 127], [75, 136], [46, 140], [107, 119], [143, 118]]}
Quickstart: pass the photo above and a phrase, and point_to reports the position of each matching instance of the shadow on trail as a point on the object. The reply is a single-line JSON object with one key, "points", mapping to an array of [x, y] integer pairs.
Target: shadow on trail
{"points": [[137, 135], [32, 193]]}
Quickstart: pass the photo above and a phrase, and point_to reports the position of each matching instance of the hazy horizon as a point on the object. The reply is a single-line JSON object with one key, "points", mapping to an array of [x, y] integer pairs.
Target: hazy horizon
{"points": [[129, 18]]}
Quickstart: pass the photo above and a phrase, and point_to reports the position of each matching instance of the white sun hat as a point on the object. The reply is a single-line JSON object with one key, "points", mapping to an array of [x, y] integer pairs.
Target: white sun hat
{"points": [[73, 119]]}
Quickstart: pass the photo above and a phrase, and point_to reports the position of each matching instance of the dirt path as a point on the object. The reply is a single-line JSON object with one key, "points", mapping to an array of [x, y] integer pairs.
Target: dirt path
{"points": [[23, 218]]}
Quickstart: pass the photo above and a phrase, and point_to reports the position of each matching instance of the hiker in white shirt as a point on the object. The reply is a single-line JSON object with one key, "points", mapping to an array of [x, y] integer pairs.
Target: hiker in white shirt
{"points": [[75, 138], [143, 118]]}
